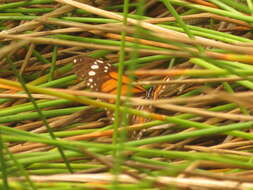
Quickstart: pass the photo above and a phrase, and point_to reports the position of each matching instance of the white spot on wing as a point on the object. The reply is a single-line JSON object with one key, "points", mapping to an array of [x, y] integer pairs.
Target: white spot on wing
{"points": [[91, 73], [94, 66], [99, 61], [90, 80], [75, 61]]}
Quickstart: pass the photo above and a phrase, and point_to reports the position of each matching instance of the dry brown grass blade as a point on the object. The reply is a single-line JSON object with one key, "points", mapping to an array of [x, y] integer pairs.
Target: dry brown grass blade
{"points": [[199, 16], [210, 162], [159, 31], [187, 81], [203, 112], [32, 24], [199, 182], [41, 40]]}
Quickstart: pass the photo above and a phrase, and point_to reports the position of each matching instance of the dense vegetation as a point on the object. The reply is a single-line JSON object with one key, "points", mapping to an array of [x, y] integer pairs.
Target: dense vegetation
{"points": [[174, 112]]}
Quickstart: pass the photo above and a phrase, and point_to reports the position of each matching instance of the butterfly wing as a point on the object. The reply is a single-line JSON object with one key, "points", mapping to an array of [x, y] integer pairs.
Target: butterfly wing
{"points": [[125, 82], [99, 75], [94, 72]]}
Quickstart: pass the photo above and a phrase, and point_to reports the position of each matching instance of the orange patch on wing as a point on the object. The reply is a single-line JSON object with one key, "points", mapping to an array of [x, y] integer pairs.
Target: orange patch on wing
{"points": [[125, 80], [138, 89], [109, 85], [124, 90], [114, 75]]}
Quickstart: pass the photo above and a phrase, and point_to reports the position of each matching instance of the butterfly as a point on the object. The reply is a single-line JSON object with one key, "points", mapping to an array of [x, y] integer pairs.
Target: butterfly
{"points": [[99, 75]]}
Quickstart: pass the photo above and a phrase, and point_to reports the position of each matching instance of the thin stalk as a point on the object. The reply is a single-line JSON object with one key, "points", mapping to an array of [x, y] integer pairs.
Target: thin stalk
{"points": [[144, 114], [234, 160], [36, 115], [53, 67], [225, 6], [23, 3], [213, 10], [117, 116], [181, 23], [250, 5], [29, 107], [23, 172], [28, 10], [186, 135], [3, 164], [45, 122], [40, 57]]}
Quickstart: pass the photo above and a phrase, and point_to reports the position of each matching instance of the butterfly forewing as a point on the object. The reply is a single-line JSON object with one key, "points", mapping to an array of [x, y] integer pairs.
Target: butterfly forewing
{"points": [[99, 75], [92, 71]]}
